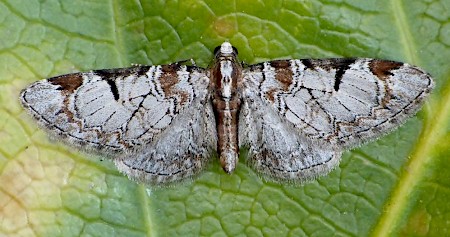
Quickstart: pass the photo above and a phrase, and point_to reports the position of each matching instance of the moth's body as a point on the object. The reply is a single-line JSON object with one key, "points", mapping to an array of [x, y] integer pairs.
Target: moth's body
{"points": [[225, 75], [161, 123]]}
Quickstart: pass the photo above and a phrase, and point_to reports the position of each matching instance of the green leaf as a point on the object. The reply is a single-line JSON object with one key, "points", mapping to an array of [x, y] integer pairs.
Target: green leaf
{"points": [[396, 186]]}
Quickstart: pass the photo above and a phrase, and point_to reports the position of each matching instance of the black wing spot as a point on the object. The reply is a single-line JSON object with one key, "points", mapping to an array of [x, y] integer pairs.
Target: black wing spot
{"points": [[114, 90], [341, 67], [307, 63], [117, 74]]}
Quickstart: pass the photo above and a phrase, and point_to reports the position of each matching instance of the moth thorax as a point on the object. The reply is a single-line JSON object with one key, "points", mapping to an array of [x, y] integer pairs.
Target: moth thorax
{"points": [[226, 80]]}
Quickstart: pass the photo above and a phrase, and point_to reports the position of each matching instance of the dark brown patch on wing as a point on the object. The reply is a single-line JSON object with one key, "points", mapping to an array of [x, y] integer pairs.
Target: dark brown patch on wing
{"points": [[169, 79], [69, 82], [270, 94], [280, 64], [382, 69], [283, 73], [67, 85]]}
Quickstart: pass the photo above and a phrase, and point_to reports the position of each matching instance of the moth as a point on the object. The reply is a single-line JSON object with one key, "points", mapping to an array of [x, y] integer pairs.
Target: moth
{"points": [[161, 124]]}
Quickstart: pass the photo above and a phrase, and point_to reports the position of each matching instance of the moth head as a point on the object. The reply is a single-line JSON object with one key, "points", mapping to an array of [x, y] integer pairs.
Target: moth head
{"points": [[225, 49]]}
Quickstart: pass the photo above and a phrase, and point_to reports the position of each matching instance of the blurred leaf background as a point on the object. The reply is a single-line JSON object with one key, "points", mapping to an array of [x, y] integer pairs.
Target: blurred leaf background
{"points": [[396, 186]]}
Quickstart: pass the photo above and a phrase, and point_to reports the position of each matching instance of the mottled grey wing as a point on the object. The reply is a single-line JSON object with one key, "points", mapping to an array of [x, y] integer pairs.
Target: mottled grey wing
{"points": [[115, 110], [342, 101], [180, 152], [277, 150], [337, 103]]}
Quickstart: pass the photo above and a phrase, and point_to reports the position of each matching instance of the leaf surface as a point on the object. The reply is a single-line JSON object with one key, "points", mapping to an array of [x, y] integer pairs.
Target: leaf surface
{"points": [[398, 185]]}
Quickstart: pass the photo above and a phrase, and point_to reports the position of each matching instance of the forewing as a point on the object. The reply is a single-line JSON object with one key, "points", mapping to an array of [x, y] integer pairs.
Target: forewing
{"points": [[115, 109], [341, 101]]}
